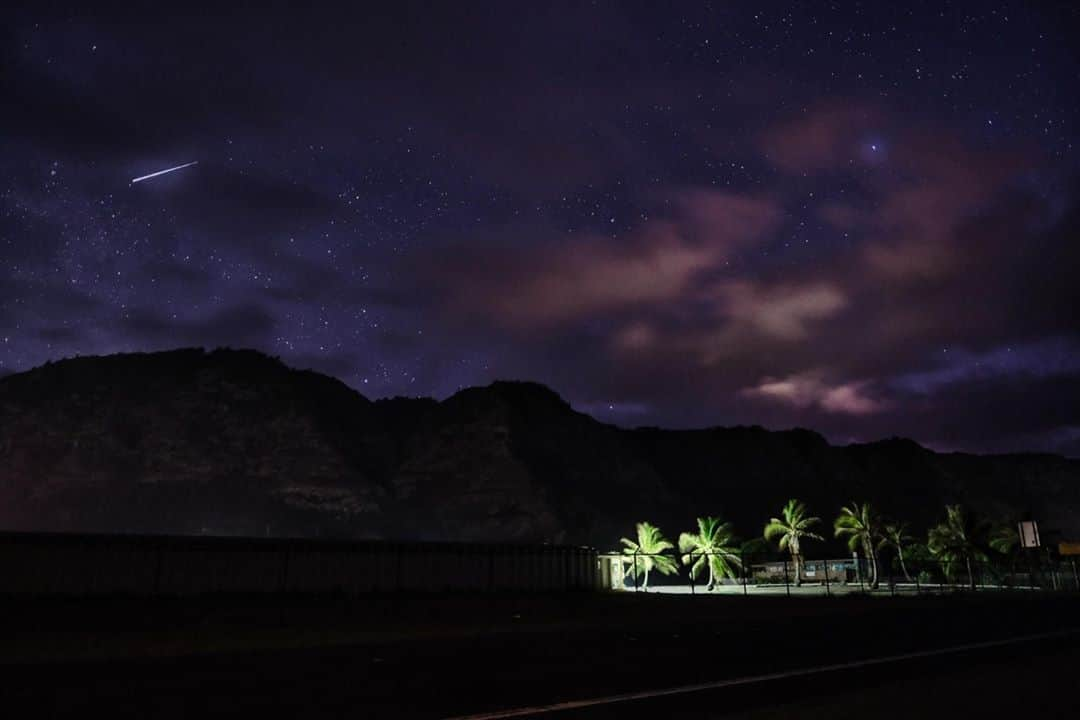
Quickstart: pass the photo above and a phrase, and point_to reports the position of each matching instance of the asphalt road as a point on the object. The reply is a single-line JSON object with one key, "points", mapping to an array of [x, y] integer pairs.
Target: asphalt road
{"points": [[1027, 676], [1035, 680], [660, 645]]}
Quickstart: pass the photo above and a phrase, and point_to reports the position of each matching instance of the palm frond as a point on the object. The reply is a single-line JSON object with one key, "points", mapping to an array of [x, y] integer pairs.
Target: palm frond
{"points": [[774, 528], [688, 542]]}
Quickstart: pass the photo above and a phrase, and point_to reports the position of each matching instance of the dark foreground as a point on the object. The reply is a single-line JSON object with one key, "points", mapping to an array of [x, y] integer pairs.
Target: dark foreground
{"points": [[439, 657]]}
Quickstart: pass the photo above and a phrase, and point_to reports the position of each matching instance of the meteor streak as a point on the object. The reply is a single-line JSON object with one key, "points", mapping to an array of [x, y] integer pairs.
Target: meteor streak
{"points": [[162, 172]]}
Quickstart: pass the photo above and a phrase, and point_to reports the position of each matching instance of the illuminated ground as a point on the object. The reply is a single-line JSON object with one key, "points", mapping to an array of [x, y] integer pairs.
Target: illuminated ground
{"points": [[820, 589]]}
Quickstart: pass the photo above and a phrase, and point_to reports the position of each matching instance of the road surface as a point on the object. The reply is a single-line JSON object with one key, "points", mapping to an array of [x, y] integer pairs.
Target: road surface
{"points": [[654, 644]]}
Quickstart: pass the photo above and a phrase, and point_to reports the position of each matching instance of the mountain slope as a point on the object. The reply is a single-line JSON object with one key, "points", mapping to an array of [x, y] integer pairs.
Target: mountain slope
{"points": [[235, 442]]}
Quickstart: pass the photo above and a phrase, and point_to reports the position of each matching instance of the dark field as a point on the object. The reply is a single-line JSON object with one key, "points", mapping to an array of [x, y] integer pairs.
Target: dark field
{"points": [[432, 656]]}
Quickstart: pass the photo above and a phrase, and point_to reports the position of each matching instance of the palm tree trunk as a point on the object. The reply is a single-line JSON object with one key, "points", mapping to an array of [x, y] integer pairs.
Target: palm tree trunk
{"points": [[798, 569], [903, 567], [645, 582], [971, 573], [871, 555], [712, 574]]}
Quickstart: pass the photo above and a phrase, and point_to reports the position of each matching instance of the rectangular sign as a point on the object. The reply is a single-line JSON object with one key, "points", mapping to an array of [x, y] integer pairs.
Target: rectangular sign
{"points": [[1069, 548], [1029, 534]]}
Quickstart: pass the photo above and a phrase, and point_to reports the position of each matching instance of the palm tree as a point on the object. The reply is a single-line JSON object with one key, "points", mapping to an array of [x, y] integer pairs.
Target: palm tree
{"points": [[791, 529], [961, 538], [649, 552], [895, 535], [713, 546], [754, 546], [1005, 539], [860, 524]]}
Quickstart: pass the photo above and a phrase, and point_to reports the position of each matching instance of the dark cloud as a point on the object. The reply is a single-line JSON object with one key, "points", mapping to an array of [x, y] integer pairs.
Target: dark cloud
{"points": [[244, 208], [45, 298], [1006, 413], [236, 326], [725, 214], [296, 279], [174, 273], [61, 334], [141, 92], [340, 364]]}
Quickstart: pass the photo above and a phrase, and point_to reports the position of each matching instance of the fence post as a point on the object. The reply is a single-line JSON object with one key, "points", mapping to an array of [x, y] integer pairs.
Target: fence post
{"points": [[159, 559], [787, 585], [400, 567], [285, 572]]}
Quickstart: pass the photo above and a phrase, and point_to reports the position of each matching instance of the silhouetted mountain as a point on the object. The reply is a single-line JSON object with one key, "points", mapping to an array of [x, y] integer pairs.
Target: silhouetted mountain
{"points": [[235, 442]]}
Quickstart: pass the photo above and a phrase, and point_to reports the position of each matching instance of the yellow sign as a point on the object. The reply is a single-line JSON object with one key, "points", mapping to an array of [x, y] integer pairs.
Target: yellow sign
{"points": [[1069, 548]]}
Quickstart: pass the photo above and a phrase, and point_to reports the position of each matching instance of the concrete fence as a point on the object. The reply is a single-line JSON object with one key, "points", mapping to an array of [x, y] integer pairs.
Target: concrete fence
{"points": [[87, 565]]}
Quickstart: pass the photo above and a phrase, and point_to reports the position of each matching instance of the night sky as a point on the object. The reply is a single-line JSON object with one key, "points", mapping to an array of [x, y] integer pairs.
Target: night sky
{"points": [[856, 218]]}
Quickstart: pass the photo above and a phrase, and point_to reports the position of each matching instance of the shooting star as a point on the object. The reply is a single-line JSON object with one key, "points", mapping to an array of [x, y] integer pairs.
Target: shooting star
{"points": [[162, 172]]}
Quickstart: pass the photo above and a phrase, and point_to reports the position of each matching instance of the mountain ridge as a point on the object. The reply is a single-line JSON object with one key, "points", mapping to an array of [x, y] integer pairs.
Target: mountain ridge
{"points": [[236, 442]]}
